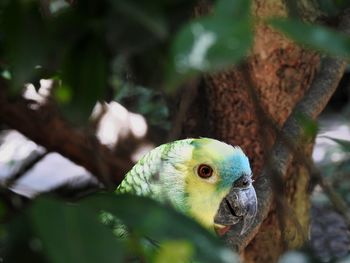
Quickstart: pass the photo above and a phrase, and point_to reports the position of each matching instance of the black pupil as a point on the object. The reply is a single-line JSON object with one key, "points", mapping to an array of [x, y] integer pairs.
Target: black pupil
{"points": [[206, 170]]}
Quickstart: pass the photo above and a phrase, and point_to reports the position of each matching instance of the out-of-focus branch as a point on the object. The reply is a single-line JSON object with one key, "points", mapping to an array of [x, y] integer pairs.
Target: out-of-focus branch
{"points": [[45, 8], [267, 123], [186, 99], [24, 169], [338, 202], [311, 105], [45, 127]]}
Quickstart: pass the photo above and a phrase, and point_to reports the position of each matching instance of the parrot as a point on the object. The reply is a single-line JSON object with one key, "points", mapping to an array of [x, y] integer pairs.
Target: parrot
{"points": [[203, 178]]}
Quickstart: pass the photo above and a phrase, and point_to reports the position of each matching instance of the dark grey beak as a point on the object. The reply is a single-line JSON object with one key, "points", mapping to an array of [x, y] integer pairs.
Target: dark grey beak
{"points": [[239, 204]]}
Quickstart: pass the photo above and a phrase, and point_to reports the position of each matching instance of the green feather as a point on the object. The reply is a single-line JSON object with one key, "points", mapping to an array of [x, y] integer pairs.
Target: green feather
{"points": [[148, 178], [168, 174]]}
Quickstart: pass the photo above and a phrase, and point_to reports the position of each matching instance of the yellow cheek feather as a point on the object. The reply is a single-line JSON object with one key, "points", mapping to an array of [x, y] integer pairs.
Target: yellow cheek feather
{"points": [[203, 198]]}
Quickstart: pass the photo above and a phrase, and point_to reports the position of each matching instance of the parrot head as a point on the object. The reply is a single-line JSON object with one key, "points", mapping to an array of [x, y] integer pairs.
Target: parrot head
{"points": [[216, 183]]}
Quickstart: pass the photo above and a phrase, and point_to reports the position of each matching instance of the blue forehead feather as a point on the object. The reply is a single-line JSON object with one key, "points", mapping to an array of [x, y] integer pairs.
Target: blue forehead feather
{"points": [[230, 161], [233, 167]]}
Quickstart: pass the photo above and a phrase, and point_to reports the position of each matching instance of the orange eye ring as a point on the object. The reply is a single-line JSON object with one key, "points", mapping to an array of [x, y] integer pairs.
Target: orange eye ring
{"points": [[204, 171]]}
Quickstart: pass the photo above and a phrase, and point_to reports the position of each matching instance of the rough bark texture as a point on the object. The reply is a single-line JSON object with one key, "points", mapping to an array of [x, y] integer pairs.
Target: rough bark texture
{"points": [[280, 72]]}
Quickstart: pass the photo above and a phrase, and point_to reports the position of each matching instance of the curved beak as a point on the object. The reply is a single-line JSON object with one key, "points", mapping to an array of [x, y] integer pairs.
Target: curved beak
{"points": [[240, 204]]}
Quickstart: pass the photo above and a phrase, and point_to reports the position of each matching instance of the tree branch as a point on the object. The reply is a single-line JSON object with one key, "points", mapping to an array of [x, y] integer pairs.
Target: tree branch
{"points": [[338, 202], [47, 128], [24, 169], [311, 105], [189, 92]]}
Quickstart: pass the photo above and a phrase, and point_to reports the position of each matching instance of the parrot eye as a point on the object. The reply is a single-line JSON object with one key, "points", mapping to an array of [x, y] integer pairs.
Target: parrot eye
{"points": [[204, 171]]}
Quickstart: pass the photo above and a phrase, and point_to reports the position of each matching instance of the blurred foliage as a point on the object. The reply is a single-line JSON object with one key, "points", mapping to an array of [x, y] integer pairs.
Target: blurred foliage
{"points": [[78, 45], [344, 144], [212, 42], [316, 37], [309, 126], [147, 102], [133, 52], [54, 231], [89, 44], [103, 50], [329, 231], [333, 7], [338, 171]]}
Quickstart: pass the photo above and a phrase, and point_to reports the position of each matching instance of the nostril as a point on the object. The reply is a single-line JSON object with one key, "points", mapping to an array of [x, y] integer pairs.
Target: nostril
{"points": [[245, 182], [232, 210]]}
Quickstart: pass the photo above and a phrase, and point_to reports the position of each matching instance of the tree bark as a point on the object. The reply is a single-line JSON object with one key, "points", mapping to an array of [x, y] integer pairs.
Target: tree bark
{"points": [[279, 72]]}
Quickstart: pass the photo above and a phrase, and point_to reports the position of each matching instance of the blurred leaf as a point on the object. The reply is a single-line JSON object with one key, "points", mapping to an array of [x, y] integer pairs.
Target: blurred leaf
{"points": [[239, 9], [314, 36], [329, 7], [18, 242], [342, 3], [174, 252], [211, 43], [145, 101], [3, 209], [72, 233], [309, 126], [343, 143], [58, 5], [346, 259], [25, 39], [162, 223], [63, 94], [6, 74], [142, 13], [84, 79]]}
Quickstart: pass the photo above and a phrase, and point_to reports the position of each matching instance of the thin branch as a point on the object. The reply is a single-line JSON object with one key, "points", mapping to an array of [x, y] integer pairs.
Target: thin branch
{"points": [[45, 8], [24, 169], [189, 94], [338, 202], [265, 122], [311, 105]]}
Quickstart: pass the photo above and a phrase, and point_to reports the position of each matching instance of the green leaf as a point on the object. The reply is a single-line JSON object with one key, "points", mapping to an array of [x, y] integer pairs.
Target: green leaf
{"points": [[309, 126], [314, 36], [329, 7], [26, 42], [72, 233], [158, 222], [3, 210], [344, 144], [84, 80], [6, 74], [141, 13], [63, 94], [174, 252], [211, 43], [145, 101], [239, 9], [341, 3], [18, 236]]}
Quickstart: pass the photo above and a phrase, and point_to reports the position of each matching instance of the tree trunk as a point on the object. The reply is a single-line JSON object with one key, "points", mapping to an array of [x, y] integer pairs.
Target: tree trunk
{"points": [[279, 72]]}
